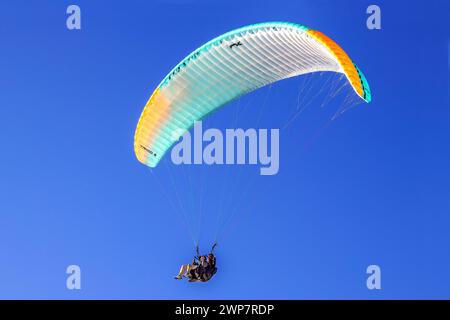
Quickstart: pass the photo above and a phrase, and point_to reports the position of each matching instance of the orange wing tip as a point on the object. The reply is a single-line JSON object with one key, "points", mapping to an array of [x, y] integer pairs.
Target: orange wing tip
{"points": [[354, 75]]}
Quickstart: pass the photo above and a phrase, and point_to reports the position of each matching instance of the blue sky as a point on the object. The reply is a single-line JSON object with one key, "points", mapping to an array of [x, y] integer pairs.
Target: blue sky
{"points": [[371, 188]]}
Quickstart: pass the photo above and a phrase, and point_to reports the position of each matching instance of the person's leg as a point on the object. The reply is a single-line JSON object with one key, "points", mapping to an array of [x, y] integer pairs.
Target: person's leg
{"points": [[184, 268]]}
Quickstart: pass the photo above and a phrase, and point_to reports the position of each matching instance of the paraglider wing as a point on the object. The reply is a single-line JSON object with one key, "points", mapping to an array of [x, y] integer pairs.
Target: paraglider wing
{"points": [[228, 67]]}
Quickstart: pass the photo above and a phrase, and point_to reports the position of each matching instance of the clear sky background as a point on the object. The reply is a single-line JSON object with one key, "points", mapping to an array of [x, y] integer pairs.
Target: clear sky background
{"points": [[372, 187]]}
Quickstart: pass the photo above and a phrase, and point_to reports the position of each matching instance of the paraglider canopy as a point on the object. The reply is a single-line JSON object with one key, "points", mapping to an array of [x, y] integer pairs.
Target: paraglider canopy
{"points": [[230, 66]]}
